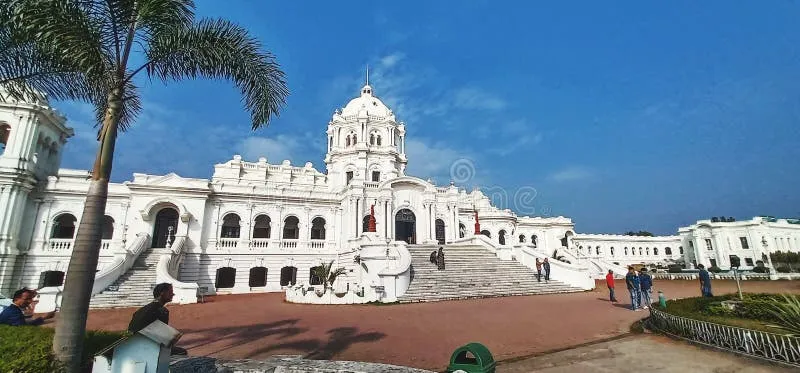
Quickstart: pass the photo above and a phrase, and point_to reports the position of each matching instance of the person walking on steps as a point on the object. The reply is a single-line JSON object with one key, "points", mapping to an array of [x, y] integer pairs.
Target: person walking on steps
{"points": [[610, 283], [538, 270], [705, 281], [634, 288], [546, 265]]}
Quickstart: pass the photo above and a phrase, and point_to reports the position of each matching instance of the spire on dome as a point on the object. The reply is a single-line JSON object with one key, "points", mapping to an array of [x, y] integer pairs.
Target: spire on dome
{"points": [[367, 80], [366, 89]]}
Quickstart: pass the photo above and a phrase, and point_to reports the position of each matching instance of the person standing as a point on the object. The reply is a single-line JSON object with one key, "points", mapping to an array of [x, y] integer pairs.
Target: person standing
{"points": [[13, 315], [705, 282], [646, 282], [538, 270], [546, 266], [440, 259], [632, 282], [155, 310], [610, 284]]}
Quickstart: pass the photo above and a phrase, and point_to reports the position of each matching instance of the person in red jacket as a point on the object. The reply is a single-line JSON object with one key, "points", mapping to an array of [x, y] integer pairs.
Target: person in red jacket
{"points": [[610, 283]]}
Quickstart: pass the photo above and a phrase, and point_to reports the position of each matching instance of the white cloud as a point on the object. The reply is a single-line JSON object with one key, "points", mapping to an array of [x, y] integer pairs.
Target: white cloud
{"points": [[477, 99], [573, 173], [276, 149], [392, 59]]}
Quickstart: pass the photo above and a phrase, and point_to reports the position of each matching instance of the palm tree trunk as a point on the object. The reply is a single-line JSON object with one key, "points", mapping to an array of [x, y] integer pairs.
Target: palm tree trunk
{"points": [[71, 322]]}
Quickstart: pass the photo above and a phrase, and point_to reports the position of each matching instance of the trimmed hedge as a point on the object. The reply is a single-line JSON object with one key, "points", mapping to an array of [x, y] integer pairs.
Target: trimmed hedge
{"points": [[753, 311], [28, 349]]}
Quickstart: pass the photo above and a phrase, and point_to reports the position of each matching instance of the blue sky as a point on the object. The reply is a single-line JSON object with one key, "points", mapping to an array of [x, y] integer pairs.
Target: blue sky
{"points": [[624, 117]]}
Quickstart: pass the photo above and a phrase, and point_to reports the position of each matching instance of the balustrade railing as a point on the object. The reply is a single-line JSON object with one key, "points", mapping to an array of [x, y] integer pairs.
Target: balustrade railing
{"points": [[317, 244], [771, 346], [228, 243], [371, 184], [65, 244], [259, 243], [289, 244]]}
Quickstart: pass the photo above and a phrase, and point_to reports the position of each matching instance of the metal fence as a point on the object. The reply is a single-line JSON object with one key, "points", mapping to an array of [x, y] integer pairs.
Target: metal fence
{"points": [[770, 346]]}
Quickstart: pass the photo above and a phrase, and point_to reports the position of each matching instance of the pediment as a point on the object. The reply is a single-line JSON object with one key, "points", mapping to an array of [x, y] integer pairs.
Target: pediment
{"points": [[170, 180]]}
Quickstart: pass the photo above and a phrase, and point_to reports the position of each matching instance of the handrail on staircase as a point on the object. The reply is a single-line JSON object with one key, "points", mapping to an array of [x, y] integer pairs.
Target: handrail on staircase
{"points": [[167, 271], [121, 263]]}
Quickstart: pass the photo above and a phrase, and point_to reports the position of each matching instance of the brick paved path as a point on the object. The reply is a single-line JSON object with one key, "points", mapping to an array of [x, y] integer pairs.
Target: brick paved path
{"points": [[420, 335]]}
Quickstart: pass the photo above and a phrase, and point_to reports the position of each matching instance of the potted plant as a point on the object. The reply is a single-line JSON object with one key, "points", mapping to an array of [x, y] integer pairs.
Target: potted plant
{"points": [[327, 275]]}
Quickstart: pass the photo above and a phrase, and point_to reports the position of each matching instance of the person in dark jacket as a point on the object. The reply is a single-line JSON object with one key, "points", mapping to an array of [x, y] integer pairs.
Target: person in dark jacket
{"points": [[546, 266], [13, 315], [155, 310], [440, 259], [634, 288], [646, 283], [705, 281], [433, 257], [538, 270]]}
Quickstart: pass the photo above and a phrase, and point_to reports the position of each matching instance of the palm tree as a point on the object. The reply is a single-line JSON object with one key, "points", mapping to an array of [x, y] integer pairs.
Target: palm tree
{"points": [[327, 274], [96, 51]]}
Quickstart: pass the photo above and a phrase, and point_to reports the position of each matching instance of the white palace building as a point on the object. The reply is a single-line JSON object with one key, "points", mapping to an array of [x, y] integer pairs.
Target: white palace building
{"points": [[261, 227]]}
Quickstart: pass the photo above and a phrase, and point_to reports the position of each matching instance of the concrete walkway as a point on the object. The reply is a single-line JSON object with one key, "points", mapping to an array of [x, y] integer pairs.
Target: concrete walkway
{"points": [[642, 353]]}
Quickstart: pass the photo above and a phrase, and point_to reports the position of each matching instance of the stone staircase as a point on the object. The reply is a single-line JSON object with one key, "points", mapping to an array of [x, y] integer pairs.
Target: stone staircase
{"points": [[472, 272], [134, 288]]}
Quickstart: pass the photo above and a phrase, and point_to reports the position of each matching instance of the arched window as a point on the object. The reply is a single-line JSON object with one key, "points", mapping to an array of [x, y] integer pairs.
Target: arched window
{"points": [[347, 141], [64, 226], [365, 224], [655, 251], [626, 250], [51, 278], [230, 226], [535, 240], [486, 233], [318, 228], [108, 227], [378, 140], [258, 277], [261, 228], [501, 237], [580, 249], [640, 251], [462, 230], [521, 238], [5, 133], [680, 250], [226, 278], [355, 139], [597, 250], [291, 228], [288, 276], [372, 139], [647, 251], [611, 250], [313, 279]]}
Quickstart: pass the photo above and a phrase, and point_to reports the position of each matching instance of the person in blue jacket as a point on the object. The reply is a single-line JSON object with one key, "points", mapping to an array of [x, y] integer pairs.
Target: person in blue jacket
{"points": [[13, 315], [646, 282], [634, 288]]}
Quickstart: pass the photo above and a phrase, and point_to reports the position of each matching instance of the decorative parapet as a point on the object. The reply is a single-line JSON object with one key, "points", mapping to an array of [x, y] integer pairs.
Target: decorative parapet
{"points": [[769, 346], [305, 294]]}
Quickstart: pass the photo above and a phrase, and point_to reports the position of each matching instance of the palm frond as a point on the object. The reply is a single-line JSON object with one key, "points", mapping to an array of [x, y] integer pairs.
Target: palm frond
{"points": [[219, 49], [153, 16], [787, 313]]}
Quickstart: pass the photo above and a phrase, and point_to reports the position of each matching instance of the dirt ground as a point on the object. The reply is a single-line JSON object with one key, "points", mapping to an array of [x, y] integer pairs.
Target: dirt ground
{"points": [[421, 335]]}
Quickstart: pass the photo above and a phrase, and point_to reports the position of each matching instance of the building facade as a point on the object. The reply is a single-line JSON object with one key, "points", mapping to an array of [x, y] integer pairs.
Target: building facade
{"points": [[257, 226]]}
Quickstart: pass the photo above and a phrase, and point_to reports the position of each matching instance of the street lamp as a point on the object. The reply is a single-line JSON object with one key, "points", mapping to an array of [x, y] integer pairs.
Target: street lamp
{"points": [[772, 272]]}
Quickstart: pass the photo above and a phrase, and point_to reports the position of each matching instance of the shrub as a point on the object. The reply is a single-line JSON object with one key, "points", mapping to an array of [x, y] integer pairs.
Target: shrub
{"points": [[675, 268], [714, 269], [761, 270], [783, 269], [28, 348]]}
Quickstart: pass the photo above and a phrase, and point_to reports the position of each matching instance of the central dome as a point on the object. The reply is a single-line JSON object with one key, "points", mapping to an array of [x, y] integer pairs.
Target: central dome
{"points": [[368, 103]]}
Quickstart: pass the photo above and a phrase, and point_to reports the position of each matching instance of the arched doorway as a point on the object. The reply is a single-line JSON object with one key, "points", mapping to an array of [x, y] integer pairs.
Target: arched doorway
{"points": [[440, 231], [405, 226], [167, 217]]}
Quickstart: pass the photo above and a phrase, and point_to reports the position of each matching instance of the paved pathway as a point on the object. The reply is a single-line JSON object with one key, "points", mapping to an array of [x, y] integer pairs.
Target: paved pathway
{"points": [[642, 353], [422, 335]]}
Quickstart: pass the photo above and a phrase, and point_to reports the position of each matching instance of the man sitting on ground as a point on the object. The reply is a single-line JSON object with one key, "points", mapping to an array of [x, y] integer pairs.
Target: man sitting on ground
{"points": [[13, 315], [155, 311]]}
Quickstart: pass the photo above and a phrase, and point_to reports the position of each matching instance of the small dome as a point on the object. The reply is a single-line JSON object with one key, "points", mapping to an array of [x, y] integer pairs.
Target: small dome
{"points": [[367, 102]]}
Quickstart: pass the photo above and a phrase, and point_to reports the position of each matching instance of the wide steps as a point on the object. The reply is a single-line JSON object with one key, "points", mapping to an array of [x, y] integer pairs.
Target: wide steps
{"points": [[133, 288], [472, 272]]}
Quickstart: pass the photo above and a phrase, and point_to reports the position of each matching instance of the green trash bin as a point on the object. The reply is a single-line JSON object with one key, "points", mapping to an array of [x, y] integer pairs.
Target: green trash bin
{"points": [[472, 358]]}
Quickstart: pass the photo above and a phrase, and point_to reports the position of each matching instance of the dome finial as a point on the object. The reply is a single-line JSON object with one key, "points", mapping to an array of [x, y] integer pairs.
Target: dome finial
{"points": [[367, 79]]}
